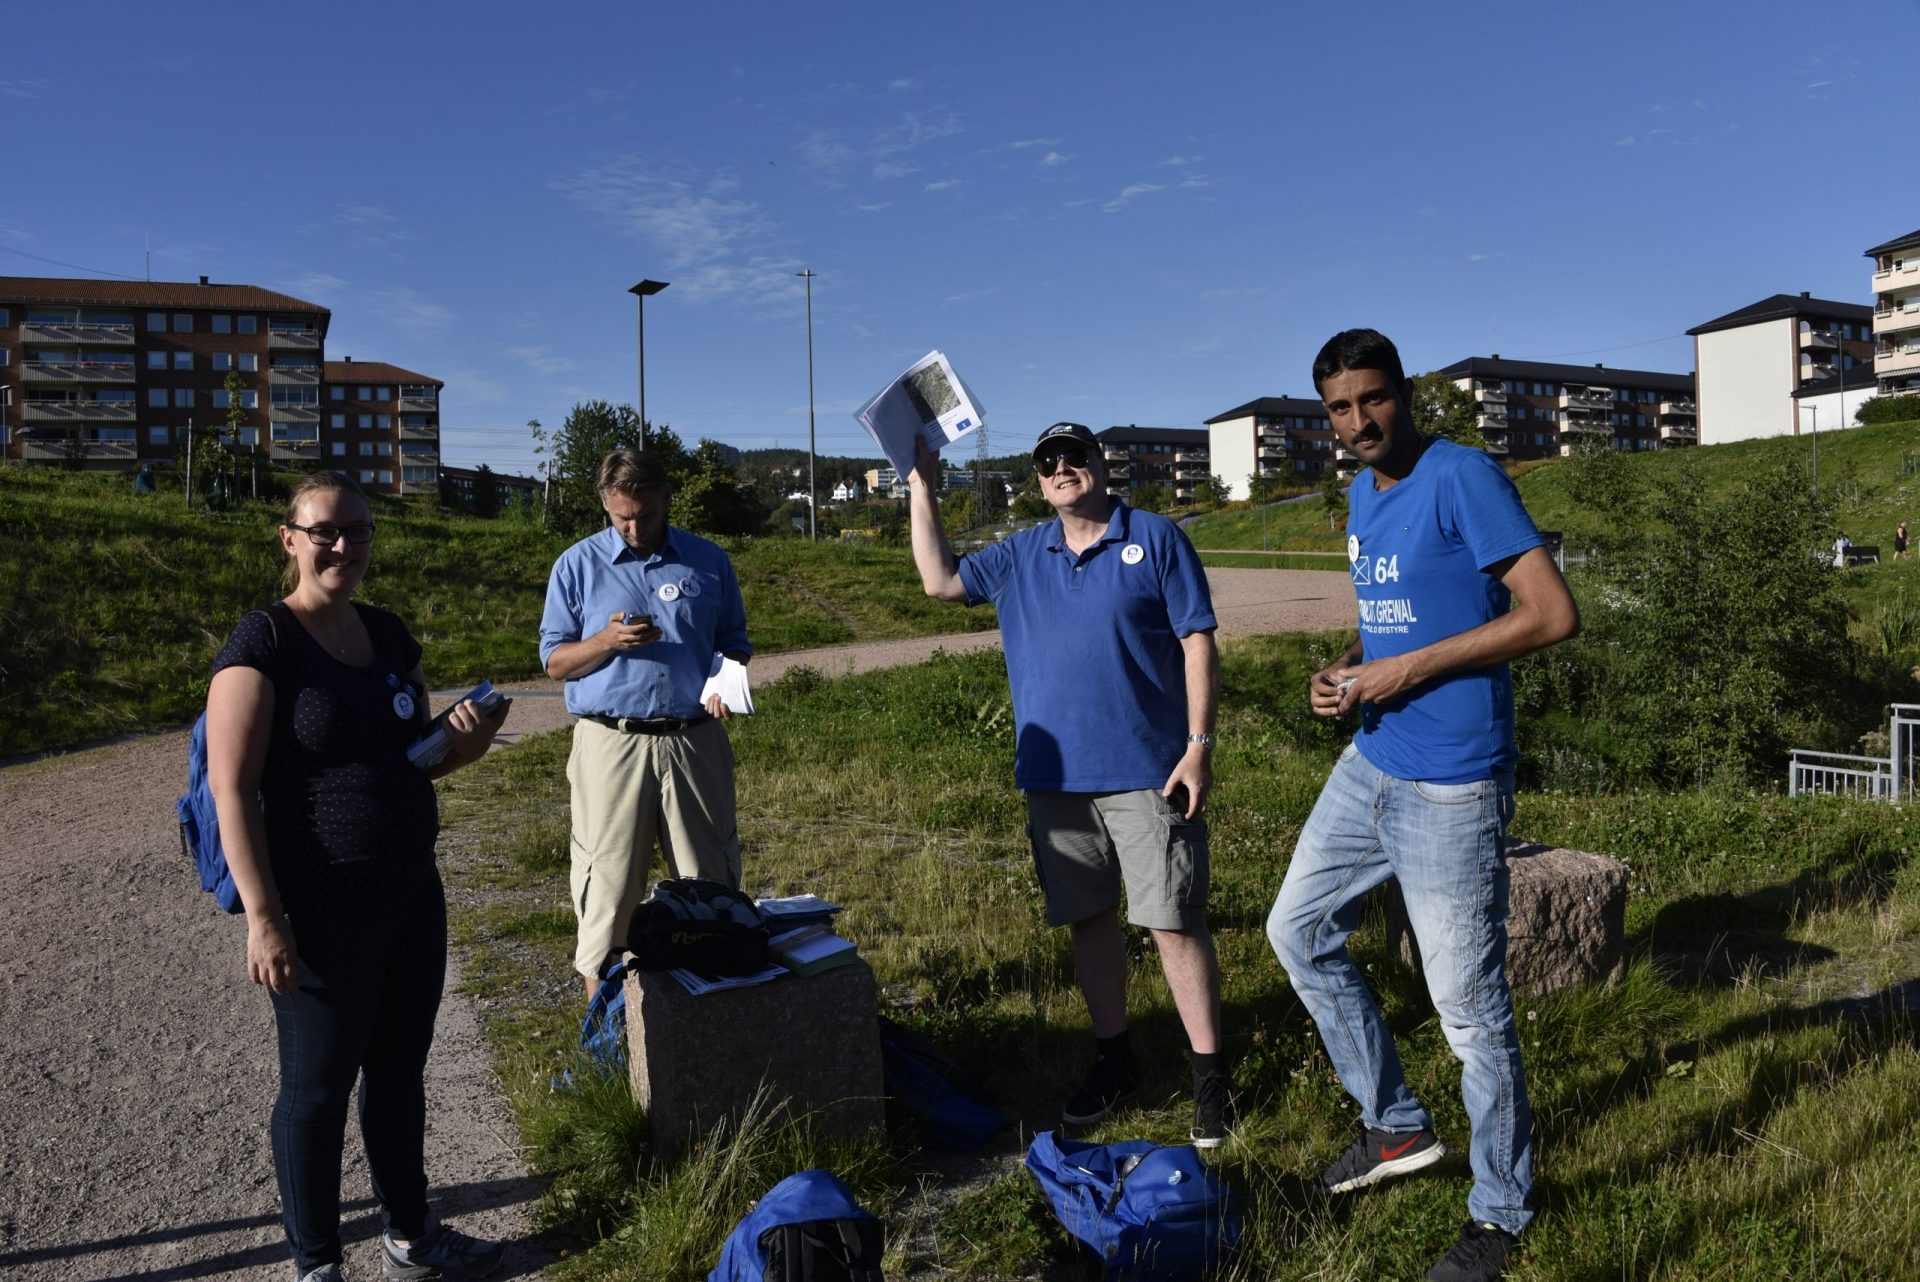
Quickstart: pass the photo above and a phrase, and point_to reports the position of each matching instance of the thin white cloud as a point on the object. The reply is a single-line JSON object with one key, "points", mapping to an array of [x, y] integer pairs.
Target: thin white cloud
{"points": [[889, 169], [1628, 141], [1243, 291], [971, 294], [1130, 194], [321, 287], [943, 184], [1197, 180], [913, 131], [824, 149], [1035, 142], [542, 360], [1182, 160], [1053, 160], [23, 88], [405, 309], [902, 85], [874, 209]]}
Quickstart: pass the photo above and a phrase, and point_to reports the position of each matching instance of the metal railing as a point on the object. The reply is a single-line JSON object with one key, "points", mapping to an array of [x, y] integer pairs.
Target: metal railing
{"points": [[1893, 778]]}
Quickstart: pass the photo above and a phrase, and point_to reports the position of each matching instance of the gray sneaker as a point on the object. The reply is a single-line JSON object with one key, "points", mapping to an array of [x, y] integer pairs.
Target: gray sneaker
{"points": [[325, 1273], [442, 1253]]}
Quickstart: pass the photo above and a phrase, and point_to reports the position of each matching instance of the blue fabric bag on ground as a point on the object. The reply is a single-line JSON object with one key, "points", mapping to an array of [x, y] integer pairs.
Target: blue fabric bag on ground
{"points": [[808, 1228], [1146, 1213], [956, 1111], [603, 1033]]}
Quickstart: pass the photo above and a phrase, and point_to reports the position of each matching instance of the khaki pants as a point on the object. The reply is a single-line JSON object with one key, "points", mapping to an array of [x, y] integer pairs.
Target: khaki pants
{"points": [[629, 791]]}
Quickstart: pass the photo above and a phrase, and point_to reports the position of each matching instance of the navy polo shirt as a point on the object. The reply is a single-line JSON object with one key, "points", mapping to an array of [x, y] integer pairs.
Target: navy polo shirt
{"points": [[1419, 552], [1093, 649], [689, 588]]}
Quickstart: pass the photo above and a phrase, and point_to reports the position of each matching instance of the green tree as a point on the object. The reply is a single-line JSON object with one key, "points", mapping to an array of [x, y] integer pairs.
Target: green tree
{"points": [[486, 492], [1212, 492], [1030, 504], [1261, 489], [959, 510], [591, 431], [1150, 497], [1333, 497], [1443, 408], [1888, 409], [712, 499]]}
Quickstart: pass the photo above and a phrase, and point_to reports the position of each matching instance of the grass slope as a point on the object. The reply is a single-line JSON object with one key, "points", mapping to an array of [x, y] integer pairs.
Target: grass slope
{"points": [[112, 604], [1743, 1103]]}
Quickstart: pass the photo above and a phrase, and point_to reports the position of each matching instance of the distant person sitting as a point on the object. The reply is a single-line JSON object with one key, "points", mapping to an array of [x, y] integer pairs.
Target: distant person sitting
{"points": [[1900, 540], [143, 480], [1840, 547]]}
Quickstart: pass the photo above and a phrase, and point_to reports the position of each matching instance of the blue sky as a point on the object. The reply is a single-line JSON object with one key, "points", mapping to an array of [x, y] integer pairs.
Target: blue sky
{"points": [[1122, 213]]}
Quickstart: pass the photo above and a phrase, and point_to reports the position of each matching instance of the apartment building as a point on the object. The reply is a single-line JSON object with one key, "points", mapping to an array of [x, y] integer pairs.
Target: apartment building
{"points": [[1174, 458], [382, 424], [1285, 439], [108, 375], [460, 484], [1535, 409], [1782, 366], [1896, 315]]}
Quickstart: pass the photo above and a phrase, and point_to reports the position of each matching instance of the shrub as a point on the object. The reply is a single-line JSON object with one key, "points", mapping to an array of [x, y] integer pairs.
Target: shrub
{"points": [[1888, 409]]}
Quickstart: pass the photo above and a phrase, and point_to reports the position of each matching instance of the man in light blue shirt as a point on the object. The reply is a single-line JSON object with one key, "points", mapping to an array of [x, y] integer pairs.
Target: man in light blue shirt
{"points": [[1439, 548], [635, 616], [1108, 630]]}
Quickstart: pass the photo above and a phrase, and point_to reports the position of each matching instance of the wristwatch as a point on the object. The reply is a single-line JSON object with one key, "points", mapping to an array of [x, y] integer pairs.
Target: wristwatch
{"points": [[1205, 740]]}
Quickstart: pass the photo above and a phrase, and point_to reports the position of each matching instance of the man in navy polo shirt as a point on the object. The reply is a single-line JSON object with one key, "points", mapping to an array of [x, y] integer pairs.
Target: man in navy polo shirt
{"points": [[1108, 630], [1439, 547]]}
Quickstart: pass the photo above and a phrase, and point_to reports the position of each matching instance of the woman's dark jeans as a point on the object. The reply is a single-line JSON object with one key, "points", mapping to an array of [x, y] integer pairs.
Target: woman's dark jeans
{"points": [[366, 991]]}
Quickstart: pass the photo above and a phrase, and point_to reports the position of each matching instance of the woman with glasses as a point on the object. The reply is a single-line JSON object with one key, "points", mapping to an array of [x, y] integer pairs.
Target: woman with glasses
{"points": [[329, 834]]}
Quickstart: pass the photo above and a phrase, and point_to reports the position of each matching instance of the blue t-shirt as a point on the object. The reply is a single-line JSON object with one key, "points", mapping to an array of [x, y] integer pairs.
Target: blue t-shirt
{"points": [[1419, 553], [689, 588], [1093, 649]]}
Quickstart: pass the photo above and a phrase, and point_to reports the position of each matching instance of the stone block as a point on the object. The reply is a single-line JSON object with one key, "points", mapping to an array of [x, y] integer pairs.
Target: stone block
{"points": [[1566, 919], [813, 1041]]}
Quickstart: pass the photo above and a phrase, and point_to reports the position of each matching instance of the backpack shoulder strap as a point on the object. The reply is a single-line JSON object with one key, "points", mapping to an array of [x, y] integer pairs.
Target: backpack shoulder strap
{"points": [[279, 620]]}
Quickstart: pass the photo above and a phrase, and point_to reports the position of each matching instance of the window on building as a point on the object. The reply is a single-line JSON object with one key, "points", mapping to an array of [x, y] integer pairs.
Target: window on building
{"points": [[336, 420], [156, 397], [183, 322], [365, 450], [247, 324], [339, 449], [156, 360], [183, 360], [223, 324], [383, 421], [366, 420], [386, 449], [156, 322], [6, 319], [156, 436], [222, 361], [386, 476], [366, 476], [183, 397], [363, 393], [249, 362], [336, 393], [383, 393]]}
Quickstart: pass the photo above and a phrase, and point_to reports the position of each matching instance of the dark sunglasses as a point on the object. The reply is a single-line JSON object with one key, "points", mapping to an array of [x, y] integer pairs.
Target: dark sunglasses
{"points": [[326, 536], [1049, 463]]}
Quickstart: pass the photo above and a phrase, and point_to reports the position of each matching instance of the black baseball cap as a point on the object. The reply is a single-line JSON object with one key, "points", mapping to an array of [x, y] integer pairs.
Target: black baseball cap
{"points": [[1078, 433]]}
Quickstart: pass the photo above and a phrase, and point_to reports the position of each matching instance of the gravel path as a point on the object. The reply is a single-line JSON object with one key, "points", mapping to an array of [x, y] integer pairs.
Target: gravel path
{"points": [[137, 1063]]}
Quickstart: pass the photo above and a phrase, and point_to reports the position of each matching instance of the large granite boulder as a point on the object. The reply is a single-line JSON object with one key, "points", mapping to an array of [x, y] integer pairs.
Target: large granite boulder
{"points": [[813, 1041], [1566, 919]]}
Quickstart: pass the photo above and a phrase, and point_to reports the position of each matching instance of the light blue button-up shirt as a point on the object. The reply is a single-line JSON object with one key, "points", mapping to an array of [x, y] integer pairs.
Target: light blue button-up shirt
{"points": [[689, 588]]}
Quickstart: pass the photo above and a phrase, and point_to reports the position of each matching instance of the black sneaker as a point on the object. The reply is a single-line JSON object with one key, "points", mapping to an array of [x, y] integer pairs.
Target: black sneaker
{"points": [[1479, 1256], [1113, 1082], [1381, 1155], [441, 1253], [1213, 1110]]}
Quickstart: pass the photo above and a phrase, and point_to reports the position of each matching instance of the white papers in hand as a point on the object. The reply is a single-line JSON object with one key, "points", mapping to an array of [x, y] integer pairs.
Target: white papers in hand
{"points": [[430, 749], [728, 679], [926, 401]]}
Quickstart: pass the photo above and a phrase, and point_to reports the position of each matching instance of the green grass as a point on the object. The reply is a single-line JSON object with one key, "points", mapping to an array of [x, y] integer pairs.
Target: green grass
{"points": [[1300, 525], [114, 604], [1742, 1103]]}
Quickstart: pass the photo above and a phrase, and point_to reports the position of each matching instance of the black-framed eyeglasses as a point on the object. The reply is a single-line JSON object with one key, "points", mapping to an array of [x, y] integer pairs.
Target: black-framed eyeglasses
{"points": [[1073, 456], [325, 536]]}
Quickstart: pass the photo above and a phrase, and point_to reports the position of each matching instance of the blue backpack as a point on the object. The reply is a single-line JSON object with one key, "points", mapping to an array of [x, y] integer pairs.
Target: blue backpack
{"points": [[807, 1228], [955, 1110], [603, 1033], [199, 823], [1145, 1213]]}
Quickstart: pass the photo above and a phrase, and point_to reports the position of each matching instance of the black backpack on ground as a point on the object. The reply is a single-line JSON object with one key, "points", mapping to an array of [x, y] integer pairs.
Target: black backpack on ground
{"points": [[704, 926]]}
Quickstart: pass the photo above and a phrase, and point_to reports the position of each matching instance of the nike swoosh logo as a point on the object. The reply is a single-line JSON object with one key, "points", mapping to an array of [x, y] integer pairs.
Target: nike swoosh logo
{"points": [[1388, 1154]]}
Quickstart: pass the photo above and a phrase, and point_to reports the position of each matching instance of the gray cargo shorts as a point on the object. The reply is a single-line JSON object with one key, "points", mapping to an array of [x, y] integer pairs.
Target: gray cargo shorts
{"points": [[1086, 843]]}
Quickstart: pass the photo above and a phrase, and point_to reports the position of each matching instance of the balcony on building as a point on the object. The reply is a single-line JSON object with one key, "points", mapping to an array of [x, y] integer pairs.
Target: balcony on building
{"points": [[419, 480], [1677, 407], [293, 372], [33, 411], [293, 335], [1497, 446], [419, 431], [1818, 340], [420, 455], [1575, 397], [1897, 314], [1577, 426], [113, 333], [1490, 393], [1890, 359], [295, 442], [1678, 434], [1491, 418], [302, 413], [417, 399], [1899, 275], [70, 372]]}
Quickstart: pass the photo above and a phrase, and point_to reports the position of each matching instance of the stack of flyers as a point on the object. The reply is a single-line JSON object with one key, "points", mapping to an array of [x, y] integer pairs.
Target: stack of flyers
{"points": [[430, 749]]}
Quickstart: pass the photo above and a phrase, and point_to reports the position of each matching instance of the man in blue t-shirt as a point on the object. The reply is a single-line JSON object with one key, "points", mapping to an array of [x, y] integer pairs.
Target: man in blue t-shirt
{"points": [[1107, 626], [1453, 582]]}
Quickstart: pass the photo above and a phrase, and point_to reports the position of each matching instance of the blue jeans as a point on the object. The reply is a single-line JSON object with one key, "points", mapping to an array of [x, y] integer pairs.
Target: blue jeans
{"points": [[1446, 843], [366, 991]]}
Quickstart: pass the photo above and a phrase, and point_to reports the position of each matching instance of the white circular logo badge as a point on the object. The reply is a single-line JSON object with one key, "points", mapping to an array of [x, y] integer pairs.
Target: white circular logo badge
{"points": [[1353, 547], [1132, 553], [690, 588], [669, 592], [403, 706]]}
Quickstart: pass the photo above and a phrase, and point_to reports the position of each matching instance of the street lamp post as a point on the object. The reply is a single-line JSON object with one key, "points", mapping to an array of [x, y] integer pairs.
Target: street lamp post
{"points": [[640, 293], [1816, 445], [813, 491]]}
